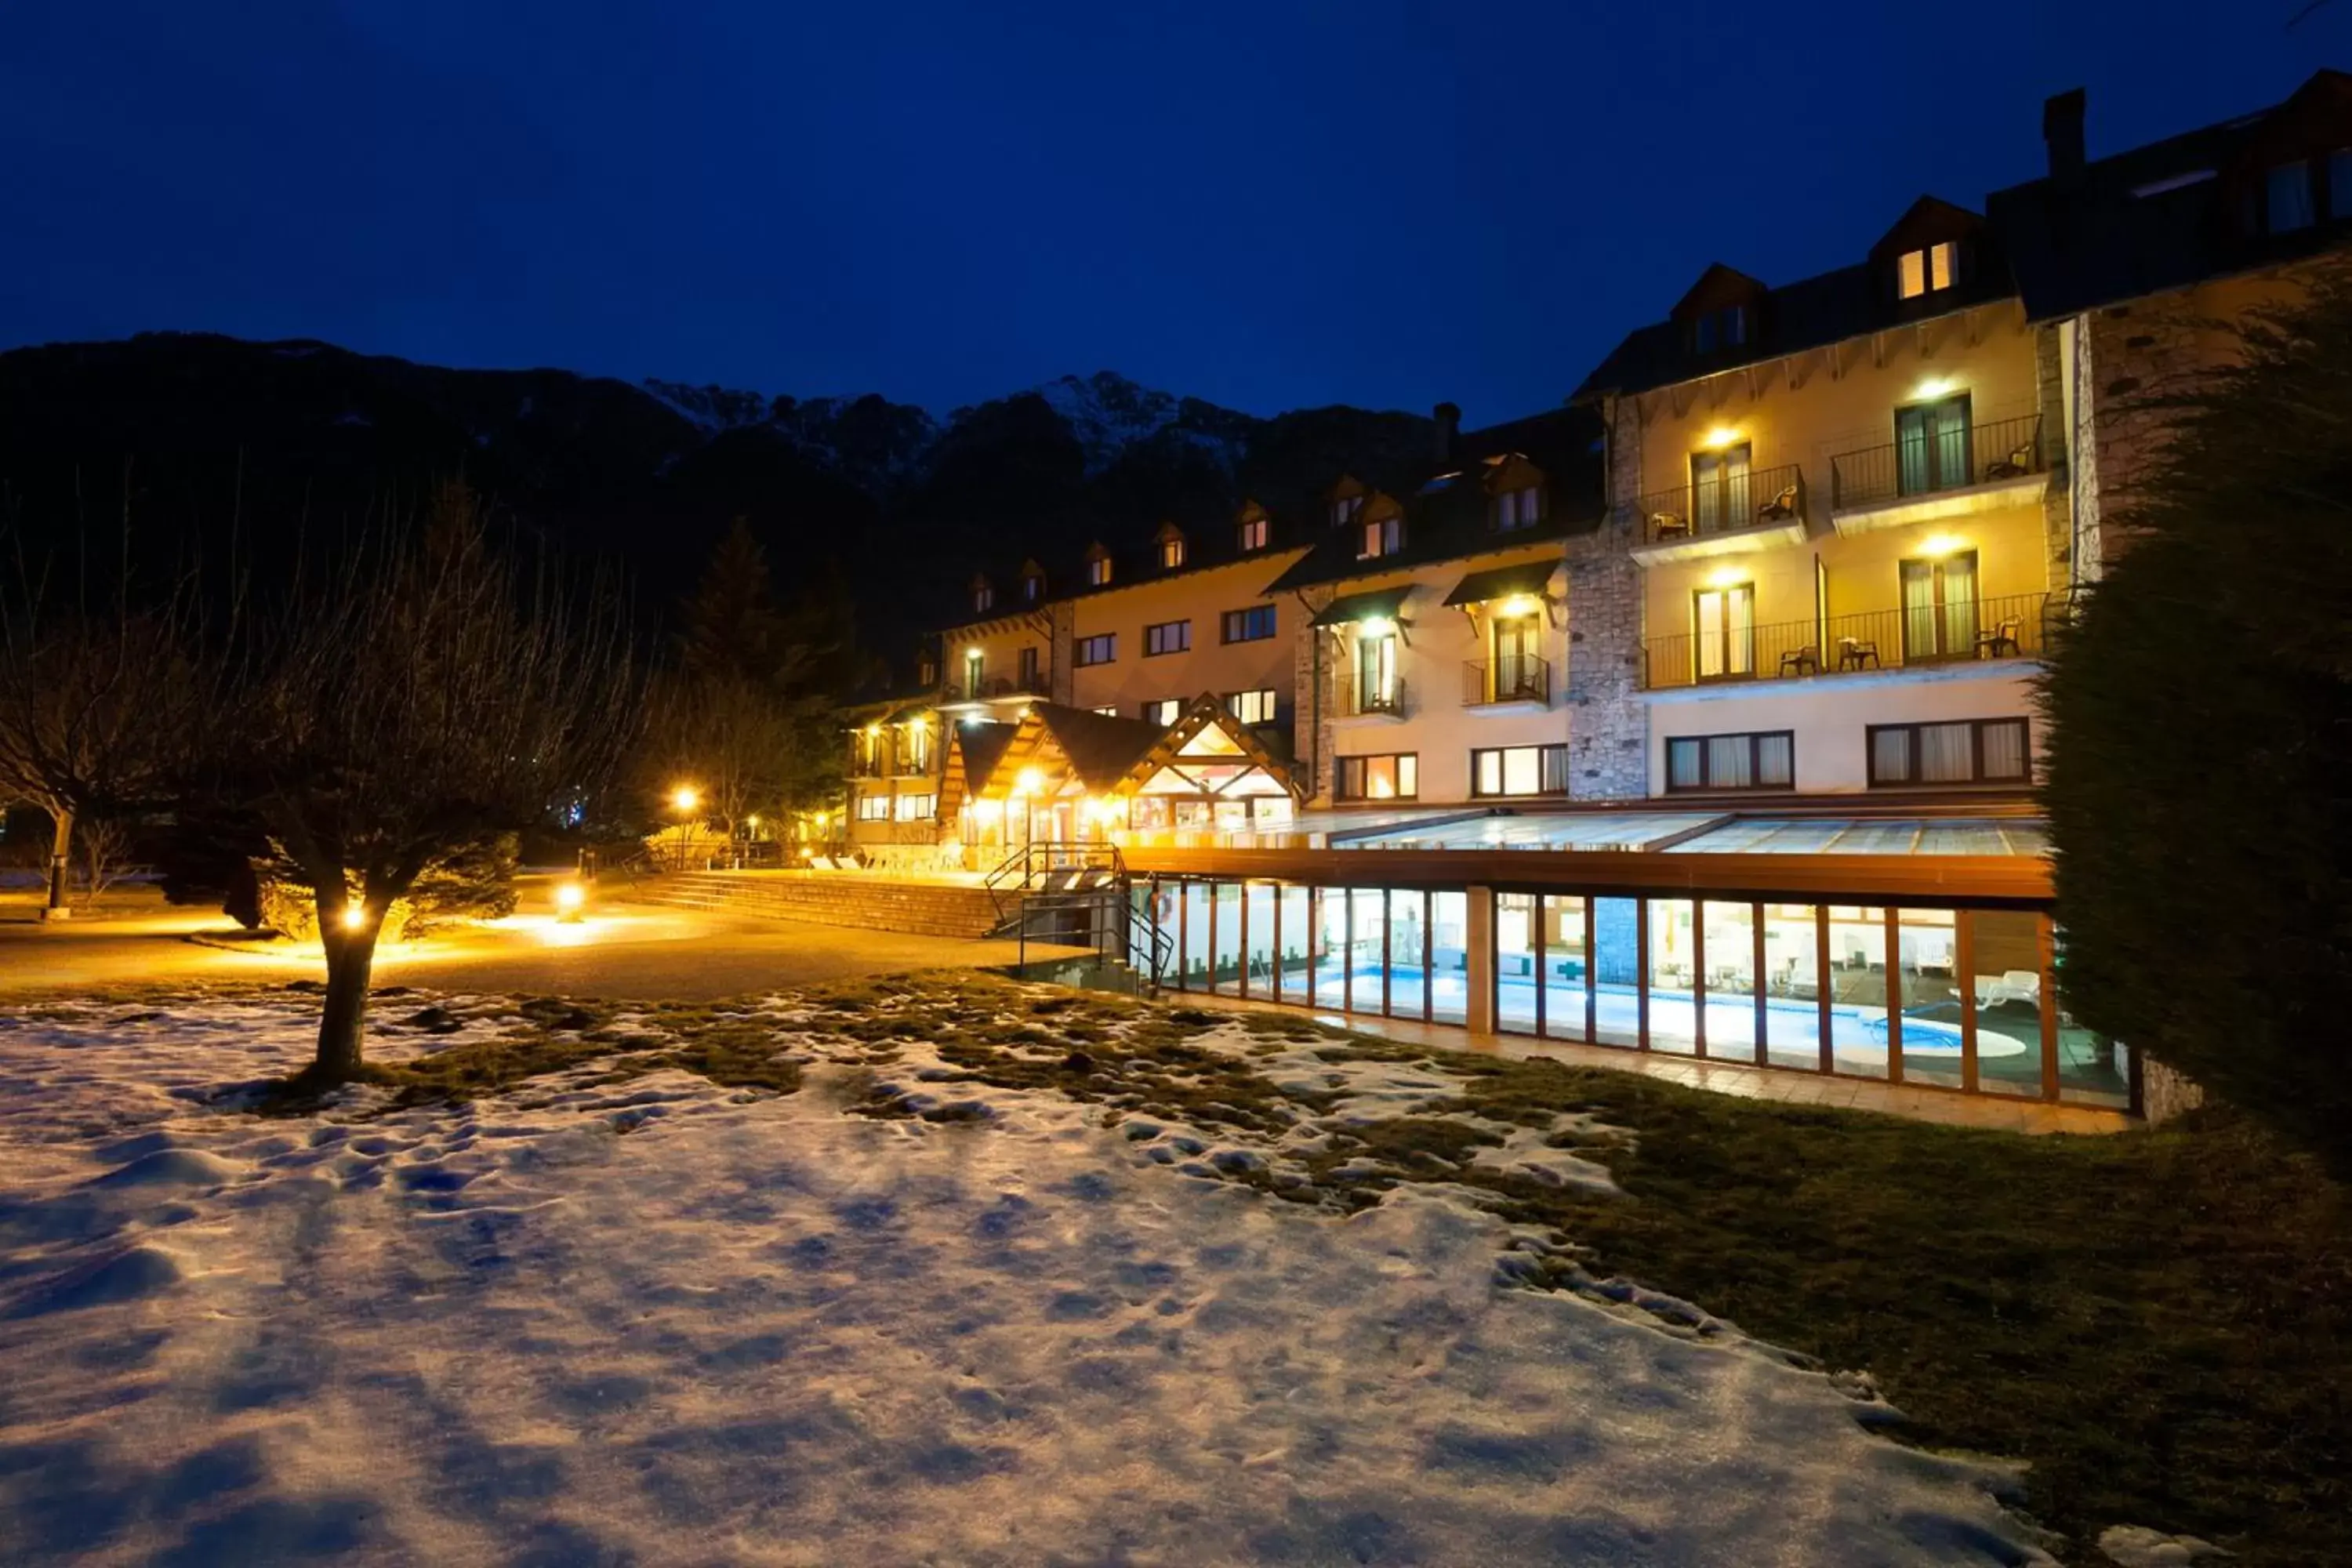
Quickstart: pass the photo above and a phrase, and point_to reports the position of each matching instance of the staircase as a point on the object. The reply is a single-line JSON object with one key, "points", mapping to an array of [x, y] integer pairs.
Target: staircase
{"points": [[833, 898], [1079, 895]]}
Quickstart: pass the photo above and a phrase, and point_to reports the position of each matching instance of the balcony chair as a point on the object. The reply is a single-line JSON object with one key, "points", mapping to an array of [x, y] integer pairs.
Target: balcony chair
{"points": [[2001, 639], [1806, 660], [2016, 466], [1669, 525], [1780, 508], [1857, 653]]}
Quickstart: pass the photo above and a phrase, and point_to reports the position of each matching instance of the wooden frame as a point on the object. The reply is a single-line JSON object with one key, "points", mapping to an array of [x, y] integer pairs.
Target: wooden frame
{"points": [[1976, 728], [1755, 739], [1698, 635], [1339, 774]]}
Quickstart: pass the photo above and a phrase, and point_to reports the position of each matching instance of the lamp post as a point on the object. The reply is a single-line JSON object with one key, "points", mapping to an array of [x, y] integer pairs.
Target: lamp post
{"points": [[684, 799]]}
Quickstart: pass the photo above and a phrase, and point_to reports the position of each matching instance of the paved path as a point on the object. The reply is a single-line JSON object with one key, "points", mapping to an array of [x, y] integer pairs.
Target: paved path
{"points": [[627, 953]]}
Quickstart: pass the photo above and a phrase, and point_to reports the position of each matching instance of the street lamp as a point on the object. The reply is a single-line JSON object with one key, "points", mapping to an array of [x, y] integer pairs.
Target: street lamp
{"points": [[684, 799]]}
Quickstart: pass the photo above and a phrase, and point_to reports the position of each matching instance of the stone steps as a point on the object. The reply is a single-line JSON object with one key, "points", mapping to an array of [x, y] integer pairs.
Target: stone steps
{"points": [[837, 899]]}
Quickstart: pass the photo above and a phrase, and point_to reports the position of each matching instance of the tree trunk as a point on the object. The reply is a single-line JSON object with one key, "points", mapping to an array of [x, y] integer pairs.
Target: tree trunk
{"points": [[351, 963], [60, 848]]}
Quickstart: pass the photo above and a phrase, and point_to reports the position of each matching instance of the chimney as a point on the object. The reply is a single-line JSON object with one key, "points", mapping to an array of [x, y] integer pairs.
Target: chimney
{"points": [[2062, 133], [1447, 416]]}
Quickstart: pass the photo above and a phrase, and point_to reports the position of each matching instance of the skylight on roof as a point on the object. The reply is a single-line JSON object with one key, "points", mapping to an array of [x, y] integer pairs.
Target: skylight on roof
{"points": [[2176, 183]]}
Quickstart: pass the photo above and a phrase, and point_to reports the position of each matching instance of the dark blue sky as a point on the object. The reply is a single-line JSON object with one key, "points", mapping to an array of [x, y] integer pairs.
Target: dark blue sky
{"points": [[1271, 206]]}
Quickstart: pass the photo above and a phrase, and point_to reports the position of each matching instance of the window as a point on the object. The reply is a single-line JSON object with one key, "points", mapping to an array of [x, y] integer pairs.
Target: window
{"points": [[1723, 329], [926, 671], [1931, 446], [1520, 769], [1383, 536], [1100, 649], [1393, 776], [1378, 691], [1033, 587], [2339, 183], [1965, 751], [1720, 490], [873, 808], [1098, 569], [1171, 554], [915, 749], [972, 673], [2287, 192], [1518, 509], [1345, 510], [1928, 271], [1764, 760], [1939, 608], [1167, 636], [1252, 534], [1031, 679], [1723, 623], [983, 599], [1252, 706], [1165, 711], [1253, 625], [1108, 711], [914, 807]]}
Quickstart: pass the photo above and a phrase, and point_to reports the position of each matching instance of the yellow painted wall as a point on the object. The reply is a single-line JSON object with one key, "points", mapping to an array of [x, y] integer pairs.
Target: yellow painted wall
{"points": [[1201, 597]]}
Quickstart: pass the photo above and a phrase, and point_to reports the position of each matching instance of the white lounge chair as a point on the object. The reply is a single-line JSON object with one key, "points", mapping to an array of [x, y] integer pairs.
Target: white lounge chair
{"points": [[2011, 985]]}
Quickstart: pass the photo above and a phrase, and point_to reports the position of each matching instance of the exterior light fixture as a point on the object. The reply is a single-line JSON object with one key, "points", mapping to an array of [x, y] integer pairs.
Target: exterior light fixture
{"points": [[1936, 546], [1029, 781], [1375, 627], [1935, 387], [1719, 436], [973, 652], [570, 899], [1519, 605], [355, 916], [685, 797], [753, 820], [873, 730], [1724, 577]]}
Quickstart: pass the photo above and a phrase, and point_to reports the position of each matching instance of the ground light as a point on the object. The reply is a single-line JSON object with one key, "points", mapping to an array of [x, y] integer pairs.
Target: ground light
{"points": [[355, 916], [570, 898]]}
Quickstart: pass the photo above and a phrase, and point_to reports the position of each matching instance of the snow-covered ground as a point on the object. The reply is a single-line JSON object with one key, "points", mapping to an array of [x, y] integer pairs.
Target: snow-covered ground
{"points": [[661, 1321]]}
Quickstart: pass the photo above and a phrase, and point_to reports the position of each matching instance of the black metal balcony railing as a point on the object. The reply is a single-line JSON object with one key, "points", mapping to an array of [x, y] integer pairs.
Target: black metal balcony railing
{"points": [[1935, 461], [1758, 498], [1351, 699], [865, 765], [1032, 684], [2013, 626], [1513, 678]]}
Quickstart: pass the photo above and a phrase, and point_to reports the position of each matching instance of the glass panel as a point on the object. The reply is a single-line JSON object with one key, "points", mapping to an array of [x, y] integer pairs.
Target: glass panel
{"points": [[1931, 998], [1710, 635], [1258, 947], [2006, 983], [1225, 969], [1449, 958], [1947, 754], [1681, 764], [1194, 959], [1730, 980], [2004, 750], [1919, 611], [1515, 963], [1407, 952], [1296, 916], [1616, 970], [1890, 755], [1776, 760], [1562, 923], [1911, 451], [1959, 591], [1522, 770], [1367, 915], [1673, 1016], [2289, 187], [1739, 617], [1858, 990], [1793, 986], [1330, 947], [2092, 1069], [1729, 761]]}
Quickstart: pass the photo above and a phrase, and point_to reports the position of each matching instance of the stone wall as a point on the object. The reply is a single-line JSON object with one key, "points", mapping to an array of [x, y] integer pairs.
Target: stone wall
{"points": [[1310, 706], [2164, 1093], [1608, 724], [2057, 443]]}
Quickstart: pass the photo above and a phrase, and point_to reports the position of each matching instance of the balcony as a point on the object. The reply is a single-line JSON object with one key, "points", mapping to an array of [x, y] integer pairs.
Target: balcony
{"points": [[867, 765], [1978, 630], [1946, 473], [1521, 680], [998, 688], [1379, 700], [1760, 506]]}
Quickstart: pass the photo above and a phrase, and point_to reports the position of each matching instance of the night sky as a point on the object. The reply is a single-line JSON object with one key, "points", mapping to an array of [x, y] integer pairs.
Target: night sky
{"points": [[1270, 206]]}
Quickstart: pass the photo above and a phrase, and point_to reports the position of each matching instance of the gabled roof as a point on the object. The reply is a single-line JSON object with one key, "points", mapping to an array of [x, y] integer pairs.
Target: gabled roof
{"points": [[2168, 214], [1206, 714]]}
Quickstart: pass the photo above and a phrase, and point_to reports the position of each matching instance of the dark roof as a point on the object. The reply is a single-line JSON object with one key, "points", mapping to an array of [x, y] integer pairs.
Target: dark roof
{"points": [[1448, 514], [2172, 212], [1380, 604], [1101, 748], [981, 746], [1502, 582], [1809, 314]]}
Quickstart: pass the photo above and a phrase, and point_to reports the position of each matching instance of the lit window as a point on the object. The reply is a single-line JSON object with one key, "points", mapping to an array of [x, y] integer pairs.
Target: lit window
{"points": [[1108, 710], [915, 807], [1252, 706], [1927, 271], [1968, 751], [1253, 534], [1520, 769], [1167, 636], [1345, 510], [1394, 775], [1165, 711], [873, 808], [1383, 536], [915, 750], [1098, 570], [983, 599], [1100, 649], [1767, 760], [1172, 555], [1033, 587], [1253, 625], [1518, 509]]}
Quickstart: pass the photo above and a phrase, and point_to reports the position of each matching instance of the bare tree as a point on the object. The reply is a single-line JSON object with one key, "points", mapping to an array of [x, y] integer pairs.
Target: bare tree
{"points": [[730, 739], [395, 718], [99, 699]]}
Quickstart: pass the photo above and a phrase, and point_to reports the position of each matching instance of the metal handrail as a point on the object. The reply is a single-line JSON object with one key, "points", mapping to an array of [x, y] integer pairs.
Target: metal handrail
{"points": [[1958, 459], [2013, 625], [1513, 678], [1352, 703], [1759, 497]]}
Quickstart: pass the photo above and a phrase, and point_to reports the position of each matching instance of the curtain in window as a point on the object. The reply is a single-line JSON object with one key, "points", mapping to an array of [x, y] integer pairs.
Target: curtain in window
{"points": [[1727, 626], [1776, 760], [2004, 750], [1681, 764], [2289, 188], [1947, 754], [1555, 769], [1890, 756], [1959, 591], [1920, 619], [1729, 763]]}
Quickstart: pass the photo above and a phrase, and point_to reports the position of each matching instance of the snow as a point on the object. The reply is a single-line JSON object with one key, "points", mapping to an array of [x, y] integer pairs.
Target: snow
{"points": [[2137, 1546], [665, 1322]]}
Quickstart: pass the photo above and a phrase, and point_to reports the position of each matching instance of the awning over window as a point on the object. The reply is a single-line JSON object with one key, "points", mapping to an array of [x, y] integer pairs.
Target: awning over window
{"points": [[1381, 603], [1503, 581]]}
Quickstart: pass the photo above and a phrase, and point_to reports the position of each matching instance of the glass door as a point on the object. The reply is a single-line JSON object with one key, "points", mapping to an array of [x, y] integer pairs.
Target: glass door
{"points": [[1939, 608], [1376, 674], [1720, 490], [1726, 621], [1519, 668], [1931, 446]]}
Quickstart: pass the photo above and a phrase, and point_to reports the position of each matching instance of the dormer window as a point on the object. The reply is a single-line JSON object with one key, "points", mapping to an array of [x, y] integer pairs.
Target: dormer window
{"points": [[1097, 567], [1928, 271], [1250, 535], [984, 597], [1383, 536], [1518, 509], [1719, 330], [1346, 510], [1033, 588], [1170, 545]]}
